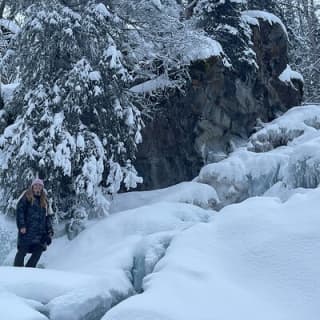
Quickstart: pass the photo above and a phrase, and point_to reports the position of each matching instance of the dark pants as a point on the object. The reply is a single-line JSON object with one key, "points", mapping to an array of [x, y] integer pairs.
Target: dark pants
{"points": [[32, 262]]}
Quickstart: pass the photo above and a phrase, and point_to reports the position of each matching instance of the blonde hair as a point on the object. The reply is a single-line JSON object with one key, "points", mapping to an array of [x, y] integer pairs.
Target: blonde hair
{"points": [[43, 198]]}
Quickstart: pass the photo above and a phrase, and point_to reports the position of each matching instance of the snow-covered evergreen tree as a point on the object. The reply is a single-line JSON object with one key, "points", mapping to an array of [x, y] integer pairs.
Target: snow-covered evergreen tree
{"points": [[265, 5], [73, 120], [304, 30], [222, 20], [158, 40]]}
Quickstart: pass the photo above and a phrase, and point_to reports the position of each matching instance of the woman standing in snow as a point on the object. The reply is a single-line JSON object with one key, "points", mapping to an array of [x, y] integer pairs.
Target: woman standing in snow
{"points": [[34, 224]]}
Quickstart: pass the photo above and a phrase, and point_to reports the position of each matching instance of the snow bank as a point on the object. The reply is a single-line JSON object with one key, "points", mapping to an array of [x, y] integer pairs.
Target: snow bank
{"points": [[255, 260], [198, 194], [285, 150]]}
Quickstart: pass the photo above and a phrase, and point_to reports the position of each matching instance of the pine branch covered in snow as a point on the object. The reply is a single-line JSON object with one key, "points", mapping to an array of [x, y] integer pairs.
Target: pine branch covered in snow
{"points": [[162, 45]]}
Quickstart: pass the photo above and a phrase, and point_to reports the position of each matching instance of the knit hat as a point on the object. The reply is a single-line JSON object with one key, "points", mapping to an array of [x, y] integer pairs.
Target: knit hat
{"points": [[37, 181]]}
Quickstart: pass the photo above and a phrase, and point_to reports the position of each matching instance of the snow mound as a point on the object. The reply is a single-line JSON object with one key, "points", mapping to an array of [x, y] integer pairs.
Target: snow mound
{"points": [[255, 260], [60, 295], [198, 194], [15, 308]]}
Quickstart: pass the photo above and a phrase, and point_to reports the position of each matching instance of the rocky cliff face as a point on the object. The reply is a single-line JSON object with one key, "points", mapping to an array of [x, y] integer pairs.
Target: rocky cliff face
{"points": [[220, 108]]}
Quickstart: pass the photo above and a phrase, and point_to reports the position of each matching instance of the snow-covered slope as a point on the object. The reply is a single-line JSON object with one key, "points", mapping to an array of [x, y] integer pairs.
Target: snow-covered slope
{"points": [[105, 264], [255, 260]]}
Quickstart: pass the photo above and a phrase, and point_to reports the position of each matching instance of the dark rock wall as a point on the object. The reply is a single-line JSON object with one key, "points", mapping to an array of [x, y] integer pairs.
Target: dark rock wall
{"points": [[221, 106]]}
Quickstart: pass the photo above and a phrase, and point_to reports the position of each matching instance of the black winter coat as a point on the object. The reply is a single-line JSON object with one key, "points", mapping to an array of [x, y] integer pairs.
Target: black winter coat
{"points": [[34, 218]]}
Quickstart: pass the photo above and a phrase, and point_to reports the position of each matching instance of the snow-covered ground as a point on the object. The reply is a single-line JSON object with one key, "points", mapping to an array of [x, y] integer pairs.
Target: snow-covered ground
{"points": [[165, 255], [105, 264]]}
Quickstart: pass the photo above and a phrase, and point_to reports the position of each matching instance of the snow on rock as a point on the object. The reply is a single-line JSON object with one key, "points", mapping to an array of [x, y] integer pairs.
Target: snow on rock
{"points": [[242, 175], [198, 194], [200, 47], [196, 46], [255, 260], [287, 150], [288, 75], [281, 191], [252, 16]]}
